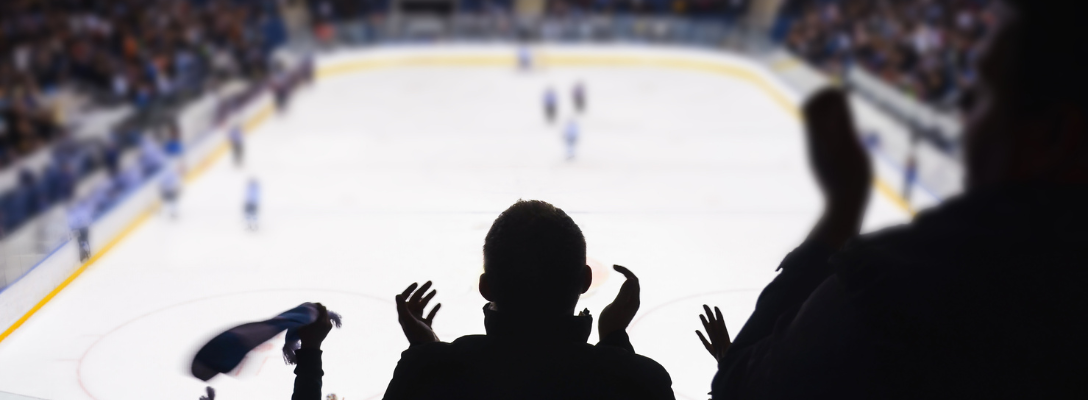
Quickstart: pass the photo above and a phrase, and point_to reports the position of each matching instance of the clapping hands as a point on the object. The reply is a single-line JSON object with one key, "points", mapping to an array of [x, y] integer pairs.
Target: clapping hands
{"points": [[618, 315], [718, 336], [410, 306]]}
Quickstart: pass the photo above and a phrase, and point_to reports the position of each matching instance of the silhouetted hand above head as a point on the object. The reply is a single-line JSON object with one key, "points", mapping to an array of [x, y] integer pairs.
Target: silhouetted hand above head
{"points": [[313, 334], [840, 165], [417, 329], [716, 331], [618, 315]]}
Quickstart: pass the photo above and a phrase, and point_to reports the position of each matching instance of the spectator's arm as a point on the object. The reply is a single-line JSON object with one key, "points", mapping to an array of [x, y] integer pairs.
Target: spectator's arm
{"points": [[743, 366], [814, 346], [308, 375], [804, 269], [308, 371], [411, 371]]}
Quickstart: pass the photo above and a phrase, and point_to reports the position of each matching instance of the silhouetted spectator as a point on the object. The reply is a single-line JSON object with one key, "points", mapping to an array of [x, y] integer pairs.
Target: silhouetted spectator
{"points": [[534, 272], [535, 348], [981, 297]]}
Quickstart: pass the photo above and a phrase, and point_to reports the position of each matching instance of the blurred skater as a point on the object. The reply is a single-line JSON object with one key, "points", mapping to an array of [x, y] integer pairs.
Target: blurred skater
{"points": [[237, 140], [910, 177], [551, 105], [171, 188], [570, 135], [578, 95], [282, 85], [910, 169], [210, 394], [253, 200], [525, 59], [79, 221]]}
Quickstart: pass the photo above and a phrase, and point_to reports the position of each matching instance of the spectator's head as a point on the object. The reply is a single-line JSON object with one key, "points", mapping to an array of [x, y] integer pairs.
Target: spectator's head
{"points": [[1029, 121], [534, 261]]}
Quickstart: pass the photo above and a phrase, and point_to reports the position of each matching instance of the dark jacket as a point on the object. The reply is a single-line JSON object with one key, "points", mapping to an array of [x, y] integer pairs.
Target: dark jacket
{"points": [[523, 358], [308, 375], [985, 296]]}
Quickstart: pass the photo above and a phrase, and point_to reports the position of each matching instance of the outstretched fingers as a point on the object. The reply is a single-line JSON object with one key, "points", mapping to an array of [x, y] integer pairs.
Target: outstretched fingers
{"points": [[430, 316], [706, 344], [418, 295], [427, 299], [414, 299], [721, 324], [408, 292], [716, 340]]}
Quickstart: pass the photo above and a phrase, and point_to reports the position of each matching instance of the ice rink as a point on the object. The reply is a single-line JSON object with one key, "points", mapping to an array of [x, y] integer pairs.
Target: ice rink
{"points": [[696, 182]]}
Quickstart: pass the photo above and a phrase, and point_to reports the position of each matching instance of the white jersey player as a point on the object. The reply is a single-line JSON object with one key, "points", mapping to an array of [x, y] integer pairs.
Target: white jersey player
{"points": [[171, 188], [525, 59], [79, 221], [570, 136], [252, 203]]}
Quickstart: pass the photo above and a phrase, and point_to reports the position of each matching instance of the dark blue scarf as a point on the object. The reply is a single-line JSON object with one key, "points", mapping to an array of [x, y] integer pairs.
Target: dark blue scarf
{"points": [[224, 352]]}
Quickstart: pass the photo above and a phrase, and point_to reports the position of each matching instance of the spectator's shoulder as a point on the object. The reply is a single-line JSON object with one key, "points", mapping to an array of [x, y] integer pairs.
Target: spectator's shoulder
{"points": [[437, 351], [634, 368]]}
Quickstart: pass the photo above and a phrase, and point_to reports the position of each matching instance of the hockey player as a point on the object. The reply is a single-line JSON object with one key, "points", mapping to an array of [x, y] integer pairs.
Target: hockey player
{"points": [[551, 105], [570, 135], [525, 59], [79, 221], [252, 202], [578, 95], [171, 188], [237, 140]]}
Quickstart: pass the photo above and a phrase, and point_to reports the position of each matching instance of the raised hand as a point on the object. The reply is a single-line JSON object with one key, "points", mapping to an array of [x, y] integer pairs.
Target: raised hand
{"points": [[715, 330], [840, 164], [417, 329], [313, 334], [618, 315]]}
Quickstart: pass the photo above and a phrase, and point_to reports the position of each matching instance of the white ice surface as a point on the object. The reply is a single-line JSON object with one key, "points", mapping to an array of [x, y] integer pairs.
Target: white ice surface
{"points": [[696, 182]]}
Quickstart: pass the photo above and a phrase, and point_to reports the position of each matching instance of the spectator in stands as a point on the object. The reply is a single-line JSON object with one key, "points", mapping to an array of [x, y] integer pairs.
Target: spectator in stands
{"points": [[981, 297], [144, 52], [111, 155], [534, 273], [924, 47]]}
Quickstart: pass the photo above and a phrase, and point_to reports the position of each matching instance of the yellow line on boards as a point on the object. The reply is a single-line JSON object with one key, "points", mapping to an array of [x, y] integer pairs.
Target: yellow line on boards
{"points": [[129, 229], [249, 126], [885, 189]]}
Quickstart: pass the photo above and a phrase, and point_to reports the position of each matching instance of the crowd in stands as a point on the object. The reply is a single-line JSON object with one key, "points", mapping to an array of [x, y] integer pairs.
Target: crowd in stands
{"points": [[135, 51], [925, 47], [980, 297], [150, 55]]}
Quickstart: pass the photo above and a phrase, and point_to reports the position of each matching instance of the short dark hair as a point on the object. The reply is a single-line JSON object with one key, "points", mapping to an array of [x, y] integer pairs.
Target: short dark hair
{"points": [[534, 256], [1053, 53]]}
